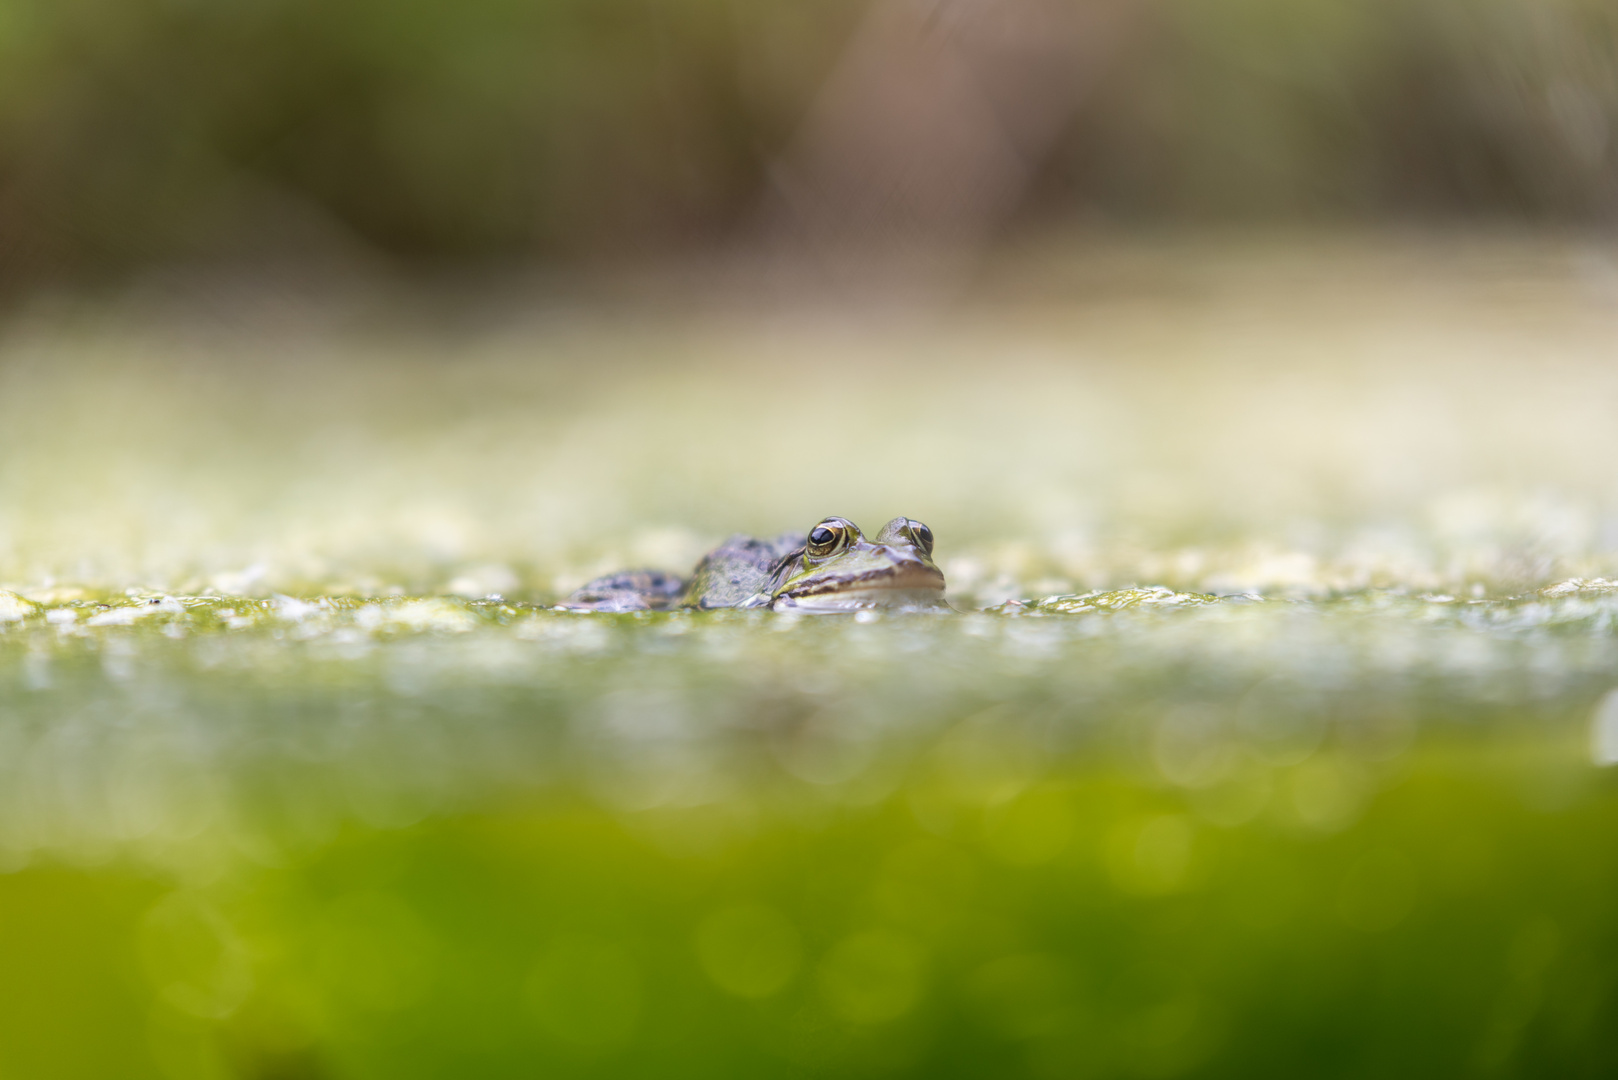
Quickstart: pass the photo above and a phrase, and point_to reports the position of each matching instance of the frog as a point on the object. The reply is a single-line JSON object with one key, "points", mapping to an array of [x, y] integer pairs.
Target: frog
{"points": [[832, 568]]}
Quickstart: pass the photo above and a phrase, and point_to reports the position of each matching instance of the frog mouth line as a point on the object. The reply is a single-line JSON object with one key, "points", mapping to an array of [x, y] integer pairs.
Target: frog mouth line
{"points": [[910, 577]]}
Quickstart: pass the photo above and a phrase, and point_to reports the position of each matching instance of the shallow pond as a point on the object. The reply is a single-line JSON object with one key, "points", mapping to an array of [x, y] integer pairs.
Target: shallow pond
{"points": [[1270, 736]]}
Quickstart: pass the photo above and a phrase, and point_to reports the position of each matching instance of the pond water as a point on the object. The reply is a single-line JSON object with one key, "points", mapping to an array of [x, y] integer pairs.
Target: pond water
{"points": [[1270, 735]]}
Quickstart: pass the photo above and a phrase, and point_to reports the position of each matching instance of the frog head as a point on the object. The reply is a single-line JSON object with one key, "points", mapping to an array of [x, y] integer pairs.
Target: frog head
{"points": [[838, 569]]}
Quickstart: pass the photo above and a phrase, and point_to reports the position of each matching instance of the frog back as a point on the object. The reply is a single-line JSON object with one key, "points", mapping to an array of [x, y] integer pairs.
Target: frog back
{"points": [[738, 570]]}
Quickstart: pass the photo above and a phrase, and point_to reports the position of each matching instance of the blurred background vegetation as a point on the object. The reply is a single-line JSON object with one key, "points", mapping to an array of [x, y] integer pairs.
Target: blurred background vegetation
{"points": [[428, 132]]}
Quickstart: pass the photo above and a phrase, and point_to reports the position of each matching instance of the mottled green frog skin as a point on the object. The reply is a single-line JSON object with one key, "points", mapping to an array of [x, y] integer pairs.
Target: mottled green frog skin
{"points": [[832, 568]]}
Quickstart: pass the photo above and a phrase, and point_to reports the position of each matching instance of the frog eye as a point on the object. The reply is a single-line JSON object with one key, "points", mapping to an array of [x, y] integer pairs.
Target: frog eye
{"points": [[829, 536], [923, 536]]}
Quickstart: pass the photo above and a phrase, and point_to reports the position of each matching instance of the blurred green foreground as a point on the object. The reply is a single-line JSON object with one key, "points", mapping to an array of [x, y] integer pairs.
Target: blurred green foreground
{"points": [[429, 838], [300, 777]]}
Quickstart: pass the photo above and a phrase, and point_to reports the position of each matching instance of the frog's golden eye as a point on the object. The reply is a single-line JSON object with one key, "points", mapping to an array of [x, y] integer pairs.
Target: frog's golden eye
{"points": [[828, 537], [923, 536]]}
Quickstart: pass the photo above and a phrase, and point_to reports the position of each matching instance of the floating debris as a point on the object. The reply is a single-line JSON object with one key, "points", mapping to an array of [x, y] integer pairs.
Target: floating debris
{"points": [[1150, 596], [14, 608]]}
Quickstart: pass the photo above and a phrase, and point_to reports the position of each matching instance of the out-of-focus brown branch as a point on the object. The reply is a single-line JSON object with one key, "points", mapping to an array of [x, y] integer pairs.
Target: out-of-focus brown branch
{"points": [[926, 134]]}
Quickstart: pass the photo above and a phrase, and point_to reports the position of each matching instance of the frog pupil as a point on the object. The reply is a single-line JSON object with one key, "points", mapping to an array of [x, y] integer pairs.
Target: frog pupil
{"points": [[923, 536], [821, 536]]}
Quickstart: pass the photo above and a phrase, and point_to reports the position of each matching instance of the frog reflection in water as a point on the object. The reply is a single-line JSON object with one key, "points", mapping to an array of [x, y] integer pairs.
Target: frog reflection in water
{"points": [[834, 568]]}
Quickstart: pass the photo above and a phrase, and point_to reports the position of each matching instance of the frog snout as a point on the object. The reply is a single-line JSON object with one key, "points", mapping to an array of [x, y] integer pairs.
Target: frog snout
{"points": [[902, 555], [908, 564]]}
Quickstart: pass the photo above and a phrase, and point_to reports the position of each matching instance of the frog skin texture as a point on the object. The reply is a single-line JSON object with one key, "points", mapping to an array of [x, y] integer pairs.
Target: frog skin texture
{"points": [[832, 568]]}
